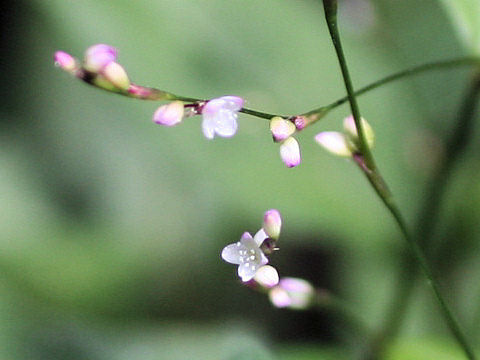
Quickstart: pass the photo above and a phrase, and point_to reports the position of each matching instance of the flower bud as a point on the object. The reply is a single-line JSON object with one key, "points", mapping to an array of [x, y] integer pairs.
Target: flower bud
{"points": [[272, 223], [65, 61], [290, 152], [351, 131], [334, 142], [98, 56], [116, 75], [281, 128], [292, 293], [266, 276], [170, 114]]}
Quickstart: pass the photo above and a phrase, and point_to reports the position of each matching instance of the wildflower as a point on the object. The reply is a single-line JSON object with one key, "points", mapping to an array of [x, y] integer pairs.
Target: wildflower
{"points": [[290, 152], [293, 293], [220, 116], [247, 254], [170, 114]]}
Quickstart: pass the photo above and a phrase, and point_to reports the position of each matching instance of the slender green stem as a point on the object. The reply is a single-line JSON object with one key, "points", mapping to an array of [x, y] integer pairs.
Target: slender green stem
{"points": [[428, 214], [331, 18], [366, 163], [452, 63]]}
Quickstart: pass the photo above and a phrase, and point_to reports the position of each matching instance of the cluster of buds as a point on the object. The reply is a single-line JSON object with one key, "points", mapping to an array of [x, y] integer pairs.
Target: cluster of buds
{"points": [[250, 253], [99, 68], [282, 131], [251, 256], [346, 144]]}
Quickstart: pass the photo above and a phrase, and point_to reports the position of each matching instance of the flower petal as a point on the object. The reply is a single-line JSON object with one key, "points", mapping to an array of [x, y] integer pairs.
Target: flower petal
{"points": [[208, 128], [226, 123], [247, 271], [234, 103], [260, 237], [231, 253]]}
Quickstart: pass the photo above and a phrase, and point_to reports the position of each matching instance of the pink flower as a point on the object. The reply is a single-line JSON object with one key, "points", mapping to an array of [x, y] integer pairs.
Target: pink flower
{"points": [[220, 116]]}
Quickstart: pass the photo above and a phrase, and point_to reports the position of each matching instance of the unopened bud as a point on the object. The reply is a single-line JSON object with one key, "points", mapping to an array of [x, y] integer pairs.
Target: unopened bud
{"points": [[98, 56], [292, 293], [266, 276], [65, 61], [272, 223], [170, 114], [290, 152], [281, 128], [334, 142], [117, 75], [351, 131]]}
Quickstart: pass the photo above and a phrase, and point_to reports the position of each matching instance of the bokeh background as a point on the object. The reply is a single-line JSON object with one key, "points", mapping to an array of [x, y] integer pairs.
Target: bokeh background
{"points": [[111, 227]]}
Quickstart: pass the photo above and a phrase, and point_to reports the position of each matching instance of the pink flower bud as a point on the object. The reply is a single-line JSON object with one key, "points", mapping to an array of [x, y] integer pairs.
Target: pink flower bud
{"points": [[170, 114], [272, 223], [98, 56], [65, 61], [290, 152], [335, 143], [266, 276], [292, 293], [281, 128], [116, 75]]}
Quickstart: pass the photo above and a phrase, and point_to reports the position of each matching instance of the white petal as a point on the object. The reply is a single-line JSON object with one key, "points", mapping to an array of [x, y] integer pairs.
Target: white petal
{"points": [[226, 123], [260, 237], [247, 271], [208, 128], [231, 253], [233, 103]]}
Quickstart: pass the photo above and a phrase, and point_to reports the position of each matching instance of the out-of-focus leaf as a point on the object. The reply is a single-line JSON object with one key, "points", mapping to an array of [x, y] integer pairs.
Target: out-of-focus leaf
{"points": [[425, 349]]}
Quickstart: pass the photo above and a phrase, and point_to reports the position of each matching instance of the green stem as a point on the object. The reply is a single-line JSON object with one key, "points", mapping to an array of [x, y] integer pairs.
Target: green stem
{"points": [[366, 163], [464, 61], [312, 116], [428, 214], [331, 18]]}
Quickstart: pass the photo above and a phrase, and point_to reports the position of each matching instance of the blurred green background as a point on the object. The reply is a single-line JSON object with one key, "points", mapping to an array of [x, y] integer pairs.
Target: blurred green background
{"points": [[111, 227]]}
